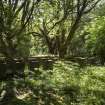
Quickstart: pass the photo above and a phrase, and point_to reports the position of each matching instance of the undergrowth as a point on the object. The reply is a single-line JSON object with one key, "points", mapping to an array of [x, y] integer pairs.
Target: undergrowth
{"points": [[66, 84]]}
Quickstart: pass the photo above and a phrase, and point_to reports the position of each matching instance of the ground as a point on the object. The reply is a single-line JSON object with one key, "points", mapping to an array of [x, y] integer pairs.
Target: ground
{"points": [[67, 84]]}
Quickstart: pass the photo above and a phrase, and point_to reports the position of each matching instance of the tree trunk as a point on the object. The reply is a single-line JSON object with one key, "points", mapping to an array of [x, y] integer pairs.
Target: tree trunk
{"points": [[62, 52], [52, 51]]}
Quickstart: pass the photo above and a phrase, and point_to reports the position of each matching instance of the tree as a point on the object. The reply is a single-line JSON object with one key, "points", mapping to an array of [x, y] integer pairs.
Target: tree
{"points": [[14, 18], [59, 23], [15, 15]]}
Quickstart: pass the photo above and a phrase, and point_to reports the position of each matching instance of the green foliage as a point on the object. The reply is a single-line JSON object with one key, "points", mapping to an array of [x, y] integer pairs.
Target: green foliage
{"points": [[95, 40], [14, 19], [67, 84], [23, 45], [100, 10], [58, 23]]}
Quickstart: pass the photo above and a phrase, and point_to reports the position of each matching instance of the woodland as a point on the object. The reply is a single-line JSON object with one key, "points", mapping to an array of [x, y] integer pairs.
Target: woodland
{"points": [[52, 52]]}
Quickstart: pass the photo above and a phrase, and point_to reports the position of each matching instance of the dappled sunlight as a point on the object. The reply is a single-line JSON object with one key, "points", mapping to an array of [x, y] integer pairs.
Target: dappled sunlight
{"points": [[64, 86], [52, 52]]}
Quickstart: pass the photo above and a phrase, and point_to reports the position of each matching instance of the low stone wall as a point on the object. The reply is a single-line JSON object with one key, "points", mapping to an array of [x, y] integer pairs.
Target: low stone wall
{"points": [[15, 67]]}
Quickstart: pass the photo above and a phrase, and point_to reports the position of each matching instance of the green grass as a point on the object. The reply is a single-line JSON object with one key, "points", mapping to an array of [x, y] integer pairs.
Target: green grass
{"points": [[67, 84]]}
